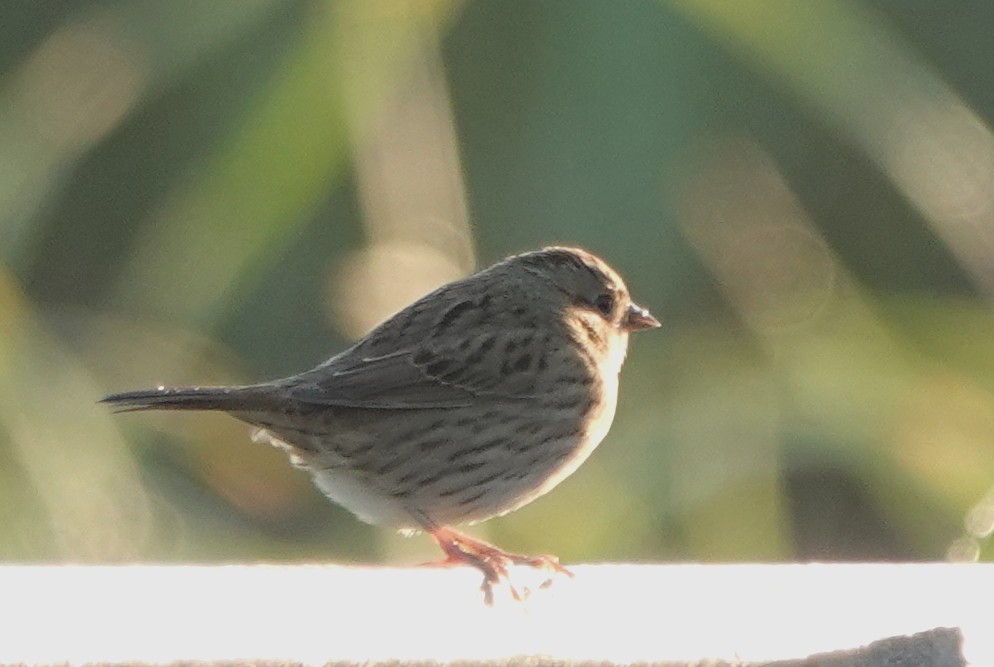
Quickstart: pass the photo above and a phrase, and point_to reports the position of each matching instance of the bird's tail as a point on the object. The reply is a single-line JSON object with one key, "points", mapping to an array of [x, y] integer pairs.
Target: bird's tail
{"points": [[229, 399]]}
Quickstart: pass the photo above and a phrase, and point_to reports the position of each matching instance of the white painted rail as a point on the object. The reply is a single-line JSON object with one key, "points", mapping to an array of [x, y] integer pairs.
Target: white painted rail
{"points": [[318, 614]]}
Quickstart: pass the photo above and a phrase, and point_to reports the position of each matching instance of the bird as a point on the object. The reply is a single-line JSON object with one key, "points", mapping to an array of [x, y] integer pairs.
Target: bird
{"points": [[467, 404]]}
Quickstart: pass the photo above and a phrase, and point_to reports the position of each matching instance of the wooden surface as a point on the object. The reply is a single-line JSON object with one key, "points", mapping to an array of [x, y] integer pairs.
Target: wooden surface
{"points": [[616, 613]]}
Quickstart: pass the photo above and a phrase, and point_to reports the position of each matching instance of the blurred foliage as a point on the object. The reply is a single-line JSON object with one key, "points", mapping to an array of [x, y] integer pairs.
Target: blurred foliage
{"points": [[196, 193]]}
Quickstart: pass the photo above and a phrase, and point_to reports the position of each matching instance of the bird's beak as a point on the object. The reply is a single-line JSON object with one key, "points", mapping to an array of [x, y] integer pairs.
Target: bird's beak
{"points": [[638, 319]]}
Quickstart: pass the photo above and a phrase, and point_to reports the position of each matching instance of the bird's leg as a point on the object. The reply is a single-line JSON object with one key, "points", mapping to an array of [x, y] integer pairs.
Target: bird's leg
{"points": [[489, 559]]}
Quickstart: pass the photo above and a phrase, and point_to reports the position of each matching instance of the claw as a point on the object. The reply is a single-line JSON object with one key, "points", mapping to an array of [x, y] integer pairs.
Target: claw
{"points": [[492, 562]]}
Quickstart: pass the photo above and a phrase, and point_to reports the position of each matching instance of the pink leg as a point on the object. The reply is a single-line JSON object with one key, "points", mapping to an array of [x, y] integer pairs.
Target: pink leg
{"points": [[489, 559]]}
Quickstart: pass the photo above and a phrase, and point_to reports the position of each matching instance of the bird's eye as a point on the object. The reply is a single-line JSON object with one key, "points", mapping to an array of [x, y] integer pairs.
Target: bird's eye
{"points": [[604, 304]]}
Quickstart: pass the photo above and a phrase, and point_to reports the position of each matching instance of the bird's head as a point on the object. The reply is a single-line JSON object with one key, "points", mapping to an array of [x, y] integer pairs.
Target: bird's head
{"points": [[590, 295]]}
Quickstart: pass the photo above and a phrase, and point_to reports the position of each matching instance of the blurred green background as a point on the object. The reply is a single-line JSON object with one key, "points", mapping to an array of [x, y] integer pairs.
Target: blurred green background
{"points": [[230, 191]]}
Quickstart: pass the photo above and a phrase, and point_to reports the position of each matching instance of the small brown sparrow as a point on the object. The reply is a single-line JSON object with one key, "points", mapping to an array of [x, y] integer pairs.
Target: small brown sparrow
{"points": [[469, 403]]}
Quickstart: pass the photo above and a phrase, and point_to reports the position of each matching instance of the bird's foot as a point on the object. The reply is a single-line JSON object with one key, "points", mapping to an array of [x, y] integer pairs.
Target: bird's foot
{"points": [[492, 561]]}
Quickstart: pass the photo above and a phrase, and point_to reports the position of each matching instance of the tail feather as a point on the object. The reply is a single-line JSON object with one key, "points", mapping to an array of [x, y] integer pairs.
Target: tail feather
{"points": [[228, 399]]}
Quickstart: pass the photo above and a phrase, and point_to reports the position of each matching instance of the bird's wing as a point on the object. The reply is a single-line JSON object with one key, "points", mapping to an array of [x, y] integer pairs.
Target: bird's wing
{"points": [[425, 376]]}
